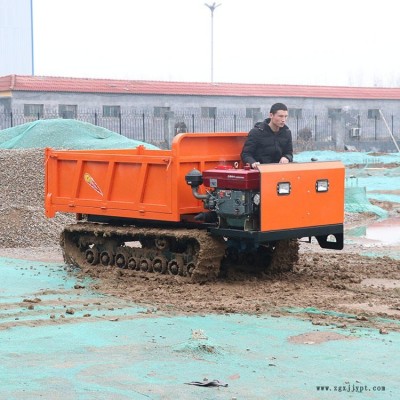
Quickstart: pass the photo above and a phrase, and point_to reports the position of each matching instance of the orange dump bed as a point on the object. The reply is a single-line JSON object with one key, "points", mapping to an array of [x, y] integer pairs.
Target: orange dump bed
{"points": [[135, 183]]}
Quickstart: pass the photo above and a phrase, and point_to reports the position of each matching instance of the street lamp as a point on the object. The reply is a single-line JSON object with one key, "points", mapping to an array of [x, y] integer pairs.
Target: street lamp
{"points": [[212, 7]]}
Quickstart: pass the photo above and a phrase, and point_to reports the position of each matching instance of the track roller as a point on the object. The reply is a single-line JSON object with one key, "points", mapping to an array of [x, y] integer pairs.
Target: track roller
{"points": [[160, 265], [106, 258], [92, 256], [161, 243], [145, 265], [175, 267], [132, 263], [190, 268], [121, 260]]}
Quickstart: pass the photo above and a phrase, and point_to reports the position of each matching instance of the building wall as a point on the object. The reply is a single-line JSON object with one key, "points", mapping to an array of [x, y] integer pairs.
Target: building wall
{"points": [[16, 37], [193, 104], [317, 126]]}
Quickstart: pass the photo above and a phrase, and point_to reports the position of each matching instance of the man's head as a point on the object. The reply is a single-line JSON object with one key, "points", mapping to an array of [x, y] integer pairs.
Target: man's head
{"points": [[277, 107], [278, 114]]}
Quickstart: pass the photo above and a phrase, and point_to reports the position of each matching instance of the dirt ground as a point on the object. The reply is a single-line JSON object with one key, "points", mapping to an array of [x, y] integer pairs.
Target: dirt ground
{"points": [[328, 287]]}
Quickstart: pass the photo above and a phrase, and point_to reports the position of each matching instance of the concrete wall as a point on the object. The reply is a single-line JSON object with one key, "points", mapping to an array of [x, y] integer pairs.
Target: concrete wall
{"points": [[327, 130], [193, 104]]}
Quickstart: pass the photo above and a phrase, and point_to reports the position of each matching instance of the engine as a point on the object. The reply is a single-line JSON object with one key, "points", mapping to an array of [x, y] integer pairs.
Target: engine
{"points": [[232, 198]]}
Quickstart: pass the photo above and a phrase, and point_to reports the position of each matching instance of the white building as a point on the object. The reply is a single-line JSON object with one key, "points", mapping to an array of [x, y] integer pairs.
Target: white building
{"points": [[16, 37]]}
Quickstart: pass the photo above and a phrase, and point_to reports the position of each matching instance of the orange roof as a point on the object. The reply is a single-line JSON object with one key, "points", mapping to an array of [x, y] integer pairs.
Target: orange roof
{"points": [[88, 85]]}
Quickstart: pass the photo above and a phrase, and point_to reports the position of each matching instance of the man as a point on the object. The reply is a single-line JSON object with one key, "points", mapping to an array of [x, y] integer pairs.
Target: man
{"points": [[269, 141]]}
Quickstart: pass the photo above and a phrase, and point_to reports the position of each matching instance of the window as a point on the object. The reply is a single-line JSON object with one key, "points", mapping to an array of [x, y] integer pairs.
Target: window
{"points": [[334, 112], [161, 111], [67, 111], [374, 113], [208, 112], [33, 110], [295, 112], [111, 111], [251, 112]]}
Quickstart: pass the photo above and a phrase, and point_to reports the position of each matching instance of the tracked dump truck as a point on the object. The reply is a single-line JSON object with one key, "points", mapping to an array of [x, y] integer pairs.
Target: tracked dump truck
{"points": [[193, 210]]}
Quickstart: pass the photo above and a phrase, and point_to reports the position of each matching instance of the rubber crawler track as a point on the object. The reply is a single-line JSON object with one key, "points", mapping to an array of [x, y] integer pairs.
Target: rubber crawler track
{"points": [[190, 253]]}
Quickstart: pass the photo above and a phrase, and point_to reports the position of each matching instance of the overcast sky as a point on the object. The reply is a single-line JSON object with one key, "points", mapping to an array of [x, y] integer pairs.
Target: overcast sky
{"points": [[312, 42]]}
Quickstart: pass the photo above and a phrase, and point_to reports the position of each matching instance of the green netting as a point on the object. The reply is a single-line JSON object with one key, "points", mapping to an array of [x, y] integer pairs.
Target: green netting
{"points": [[376, 177], [356, 201], [349, 158], [65, 134], [313, 310], [110, 348], [393, 172]]}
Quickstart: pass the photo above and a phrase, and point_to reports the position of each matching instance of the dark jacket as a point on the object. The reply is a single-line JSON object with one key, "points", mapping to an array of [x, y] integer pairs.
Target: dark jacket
{"points": [[265, 146]]}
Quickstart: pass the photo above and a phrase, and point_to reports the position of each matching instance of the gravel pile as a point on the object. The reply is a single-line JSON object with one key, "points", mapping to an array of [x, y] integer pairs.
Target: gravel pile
{"points": [[22, 218]]}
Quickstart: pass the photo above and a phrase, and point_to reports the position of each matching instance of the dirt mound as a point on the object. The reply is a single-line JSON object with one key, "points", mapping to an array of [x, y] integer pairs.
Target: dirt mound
{"points": [[326, 287]]}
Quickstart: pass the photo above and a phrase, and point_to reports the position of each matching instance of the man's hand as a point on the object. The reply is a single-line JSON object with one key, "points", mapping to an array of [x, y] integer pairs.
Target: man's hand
{"points": [[283, 160], [254, 165]]}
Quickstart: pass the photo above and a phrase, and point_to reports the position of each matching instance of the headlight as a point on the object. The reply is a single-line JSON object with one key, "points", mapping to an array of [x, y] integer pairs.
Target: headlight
{"points": [[322, 185], [257, 199], [283, 188]]}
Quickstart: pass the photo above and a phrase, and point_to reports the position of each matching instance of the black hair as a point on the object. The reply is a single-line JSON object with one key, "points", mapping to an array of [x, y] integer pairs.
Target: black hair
{"points": [[276, 107]]}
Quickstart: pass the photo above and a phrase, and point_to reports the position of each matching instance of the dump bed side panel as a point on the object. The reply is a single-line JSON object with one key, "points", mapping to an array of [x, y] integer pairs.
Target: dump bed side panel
{"points": [[136, 183], [118, 184], [303, 206]]}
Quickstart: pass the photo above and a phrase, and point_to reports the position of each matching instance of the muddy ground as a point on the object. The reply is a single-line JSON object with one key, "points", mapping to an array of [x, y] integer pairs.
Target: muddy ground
{"points": [[343, 288]]}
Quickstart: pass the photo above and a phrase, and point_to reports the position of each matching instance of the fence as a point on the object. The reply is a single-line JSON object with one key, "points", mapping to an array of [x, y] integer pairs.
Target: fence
{"points": [[309, 132]]}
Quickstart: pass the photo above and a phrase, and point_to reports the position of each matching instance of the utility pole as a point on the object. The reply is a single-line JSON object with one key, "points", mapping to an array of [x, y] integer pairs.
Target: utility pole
{"points": [[212, 7], [32, 42]]}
